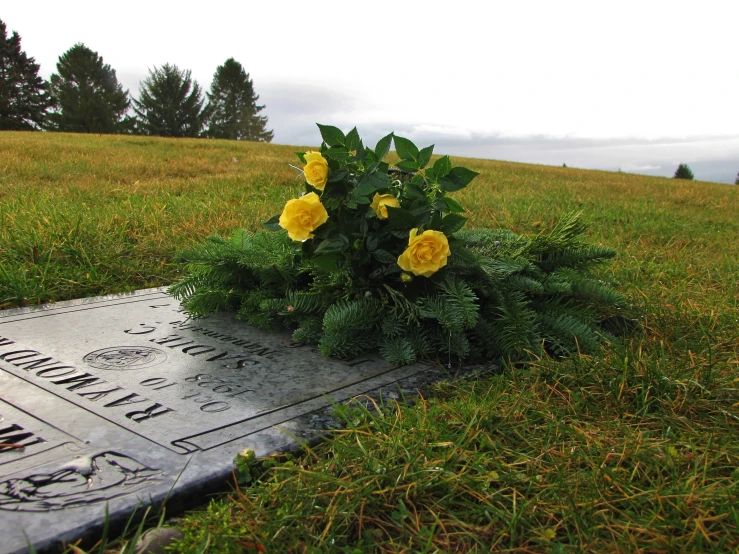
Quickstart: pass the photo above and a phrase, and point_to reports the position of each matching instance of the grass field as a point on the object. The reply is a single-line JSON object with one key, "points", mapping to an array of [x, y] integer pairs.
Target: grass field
{"points": [[632, 450]]}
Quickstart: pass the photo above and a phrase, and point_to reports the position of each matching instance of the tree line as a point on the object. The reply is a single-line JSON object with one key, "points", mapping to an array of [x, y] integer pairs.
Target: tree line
{"points": [[84, 96]]}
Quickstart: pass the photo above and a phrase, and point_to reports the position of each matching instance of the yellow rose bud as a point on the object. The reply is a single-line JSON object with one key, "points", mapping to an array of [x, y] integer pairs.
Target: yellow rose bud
{"points": [[302, 216], [380, 202], [247, 453], [406, 277], [426, 253], [315, 170]]}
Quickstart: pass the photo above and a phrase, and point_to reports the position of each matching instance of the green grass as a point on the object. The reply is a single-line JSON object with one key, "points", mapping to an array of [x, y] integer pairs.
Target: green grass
{"points": [[632, 450]]}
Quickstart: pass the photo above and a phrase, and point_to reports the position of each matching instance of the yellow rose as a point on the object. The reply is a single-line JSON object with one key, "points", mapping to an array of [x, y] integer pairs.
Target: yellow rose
{"points": [[426, 253], [315, 170], [302, 216], [380, 202]]}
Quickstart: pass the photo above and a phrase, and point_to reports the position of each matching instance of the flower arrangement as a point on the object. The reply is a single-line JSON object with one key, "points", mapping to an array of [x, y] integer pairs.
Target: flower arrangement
{"points": [[374, 257]]}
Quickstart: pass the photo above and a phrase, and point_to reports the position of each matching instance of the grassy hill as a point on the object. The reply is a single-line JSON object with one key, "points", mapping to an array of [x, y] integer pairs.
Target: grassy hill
{"points": [[632, 450]]}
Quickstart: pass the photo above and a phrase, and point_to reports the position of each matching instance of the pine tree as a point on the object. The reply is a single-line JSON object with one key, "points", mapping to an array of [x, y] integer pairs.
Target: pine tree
{"points": [[683, 172], [234, 107], [737, 179], [24, 96], [87, 94], [170, 104]]}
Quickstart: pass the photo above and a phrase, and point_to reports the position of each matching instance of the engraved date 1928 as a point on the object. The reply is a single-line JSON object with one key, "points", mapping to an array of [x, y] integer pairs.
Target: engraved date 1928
{"points": [[221, 388]]}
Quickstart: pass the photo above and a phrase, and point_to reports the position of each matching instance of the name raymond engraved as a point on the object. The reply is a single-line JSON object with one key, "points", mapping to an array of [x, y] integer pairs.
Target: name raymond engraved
{"points": [[180, 383]]}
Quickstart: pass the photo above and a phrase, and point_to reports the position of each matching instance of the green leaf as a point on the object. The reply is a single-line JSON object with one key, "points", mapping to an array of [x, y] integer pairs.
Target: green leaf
{"points": [[339, 244], [336, 176], [400, 217], [435, 222], [331, 135], [453, 205], [424, 156], [452, 223], [360, 194], [364, 187], [442, 167], [370, 157], [272, 223], [330, 203], [384, 256], [337, 153], [301, 156], [377, 180], [408, 165], [459, 177], [371, 242], [405, 148], [369, 184], [360, 150], [327, 262], [413, 192], [383, 146], [352, 140], [418, 179]]}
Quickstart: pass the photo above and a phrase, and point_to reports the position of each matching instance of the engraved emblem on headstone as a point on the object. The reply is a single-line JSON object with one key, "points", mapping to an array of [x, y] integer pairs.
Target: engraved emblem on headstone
{"points": [[125, 357], [80, 482]]}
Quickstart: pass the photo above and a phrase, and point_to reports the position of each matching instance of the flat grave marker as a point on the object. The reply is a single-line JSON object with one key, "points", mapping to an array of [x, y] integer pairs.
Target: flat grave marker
{"points": [[122, 401]]}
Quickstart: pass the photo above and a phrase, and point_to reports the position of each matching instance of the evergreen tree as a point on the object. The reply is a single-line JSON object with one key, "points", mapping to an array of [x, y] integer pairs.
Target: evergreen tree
{"points": [[87, 95], [24, 96], [234, 107], [170, 104], [737, 179], [683, 172]]}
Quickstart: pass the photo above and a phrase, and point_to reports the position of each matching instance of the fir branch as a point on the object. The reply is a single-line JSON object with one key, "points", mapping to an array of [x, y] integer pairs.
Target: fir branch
{"points": [[579, 258], [598, 292], [401, 307], [567, 233], [462, 299], [309, 332], [525, 284], [350, 328], [397, 351], [449, 316], [567, 335], [516, 328]]}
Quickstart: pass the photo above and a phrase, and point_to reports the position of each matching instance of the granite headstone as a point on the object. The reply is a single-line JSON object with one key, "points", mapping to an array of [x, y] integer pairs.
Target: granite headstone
{"points": [[113, 403]]}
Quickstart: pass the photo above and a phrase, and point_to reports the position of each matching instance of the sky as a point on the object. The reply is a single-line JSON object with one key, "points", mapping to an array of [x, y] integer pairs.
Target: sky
{"points": [[638, 86]]}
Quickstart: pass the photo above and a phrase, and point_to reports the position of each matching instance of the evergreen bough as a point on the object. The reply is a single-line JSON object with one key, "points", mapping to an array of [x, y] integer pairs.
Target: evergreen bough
{"points": [[497, 295]]}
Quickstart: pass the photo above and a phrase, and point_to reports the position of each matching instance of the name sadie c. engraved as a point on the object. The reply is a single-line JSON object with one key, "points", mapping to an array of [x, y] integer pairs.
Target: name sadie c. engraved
{"points": [[227, 359]]}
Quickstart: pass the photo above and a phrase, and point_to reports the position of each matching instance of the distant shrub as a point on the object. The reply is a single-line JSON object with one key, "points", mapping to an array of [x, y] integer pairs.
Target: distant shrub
{"points": [[683, 172]]}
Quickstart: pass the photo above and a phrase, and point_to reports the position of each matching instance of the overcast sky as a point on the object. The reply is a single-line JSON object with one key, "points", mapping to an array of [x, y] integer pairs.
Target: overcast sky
{"points": [[634, 85]]}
